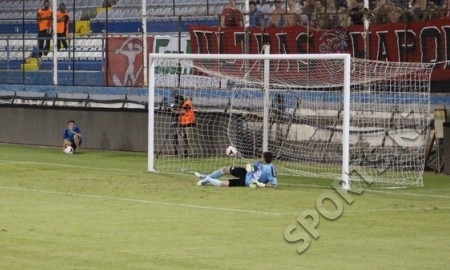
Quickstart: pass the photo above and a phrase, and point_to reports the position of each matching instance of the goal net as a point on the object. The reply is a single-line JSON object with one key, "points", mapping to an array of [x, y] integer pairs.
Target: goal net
{"points": [[369, 124]]}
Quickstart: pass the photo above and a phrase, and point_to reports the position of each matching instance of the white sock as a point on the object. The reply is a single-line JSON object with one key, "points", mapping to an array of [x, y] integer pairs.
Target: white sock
{"points": [[216, 174]]}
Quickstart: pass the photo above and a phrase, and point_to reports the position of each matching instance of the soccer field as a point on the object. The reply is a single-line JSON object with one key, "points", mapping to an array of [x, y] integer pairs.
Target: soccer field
{"points": [[103, 210]]}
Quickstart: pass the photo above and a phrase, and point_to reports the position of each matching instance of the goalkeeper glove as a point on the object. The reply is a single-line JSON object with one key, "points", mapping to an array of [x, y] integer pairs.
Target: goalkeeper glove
{"points": [[249, 168], [259, 184]]}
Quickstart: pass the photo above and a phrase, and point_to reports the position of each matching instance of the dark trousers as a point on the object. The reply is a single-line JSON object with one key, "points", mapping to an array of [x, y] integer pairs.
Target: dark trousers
{"points": [[44, 38], [61, 41], [186, 134], [180, 134]]}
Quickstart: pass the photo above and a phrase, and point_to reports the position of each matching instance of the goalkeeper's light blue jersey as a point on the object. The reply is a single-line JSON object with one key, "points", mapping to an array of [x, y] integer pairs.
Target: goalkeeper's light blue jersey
{"points": [[264, 173]]}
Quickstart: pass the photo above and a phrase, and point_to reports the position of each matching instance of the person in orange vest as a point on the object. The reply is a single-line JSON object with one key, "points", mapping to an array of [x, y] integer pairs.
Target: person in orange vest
{"points": [[187, 122], [44, 19], [62, 26]]}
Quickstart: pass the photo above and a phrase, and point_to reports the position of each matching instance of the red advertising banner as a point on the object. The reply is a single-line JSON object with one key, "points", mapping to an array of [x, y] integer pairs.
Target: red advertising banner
{"points": [[124, 60], [426, 42]]}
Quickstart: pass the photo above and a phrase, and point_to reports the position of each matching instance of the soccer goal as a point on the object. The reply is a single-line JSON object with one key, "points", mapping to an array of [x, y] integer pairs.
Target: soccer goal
{"points": [[322, 115]]}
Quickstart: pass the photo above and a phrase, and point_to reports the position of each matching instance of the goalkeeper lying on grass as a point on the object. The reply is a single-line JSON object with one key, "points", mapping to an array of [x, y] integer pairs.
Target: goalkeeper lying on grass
{"points": [[261, 174]]}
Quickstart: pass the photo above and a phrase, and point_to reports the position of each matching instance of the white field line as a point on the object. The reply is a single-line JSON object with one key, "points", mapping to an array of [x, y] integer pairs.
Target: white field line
{"points": [[131, 171], [393, 193], [217, 208], [100, 197], [410, 194], [296, 185], [397, 209], [66, 166], [222, 209]]}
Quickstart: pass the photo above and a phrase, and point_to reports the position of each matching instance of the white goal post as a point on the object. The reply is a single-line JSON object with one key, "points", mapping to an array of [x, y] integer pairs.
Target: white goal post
{"points": [[324, 115]]}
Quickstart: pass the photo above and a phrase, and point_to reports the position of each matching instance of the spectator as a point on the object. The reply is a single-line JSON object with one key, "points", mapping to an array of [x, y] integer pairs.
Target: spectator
{"points": [[276, 19], [416, 9], [381, 11], [445, 8], [330, 6], [307, 10], [433, 11], [319, 18], [344, 19], [395, 14], [231, 16], [418, 4], [357, 13], [62, 26], [44, 19], [293, 14], [72, 136], [256, 16], [258, 4]]}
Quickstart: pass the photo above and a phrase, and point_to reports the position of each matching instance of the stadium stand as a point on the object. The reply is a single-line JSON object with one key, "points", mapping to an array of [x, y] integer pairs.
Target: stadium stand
{"points": [[17, 17], [90, 21]]}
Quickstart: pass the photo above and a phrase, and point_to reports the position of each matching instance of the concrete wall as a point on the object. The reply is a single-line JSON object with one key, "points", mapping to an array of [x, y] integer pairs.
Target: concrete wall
{"points": [[101, 128], [106, 129]]}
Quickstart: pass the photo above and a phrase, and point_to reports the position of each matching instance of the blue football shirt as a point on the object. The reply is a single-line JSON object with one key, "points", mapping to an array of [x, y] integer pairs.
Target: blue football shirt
{"points": [[264, 173]]}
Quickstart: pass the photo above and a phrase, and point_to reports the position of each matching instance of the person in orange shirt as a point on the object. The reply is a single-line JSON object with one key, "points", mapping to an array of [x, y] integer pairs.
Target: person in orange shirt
{"points": [[187, 122], [62, 26], [44, 19]]}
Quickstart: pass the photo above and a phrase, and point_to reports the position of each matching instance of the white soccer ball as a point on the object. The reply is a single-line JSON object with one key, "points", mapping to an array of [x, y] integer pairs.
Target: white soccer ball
{"points": [[68, 150], [231, 151]]}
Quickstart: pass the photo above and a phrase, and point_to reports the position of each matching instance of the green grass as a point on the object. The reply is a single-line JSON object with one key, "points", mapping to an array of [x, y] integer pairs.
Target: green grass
{"points": [[102, 210]]}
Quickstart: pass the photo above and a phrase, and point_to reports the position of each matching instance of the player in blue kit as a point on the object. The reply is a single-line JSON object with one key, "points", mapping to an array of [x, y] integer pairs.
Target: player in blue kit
{"points": [[259, 174], [72, 136]]}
